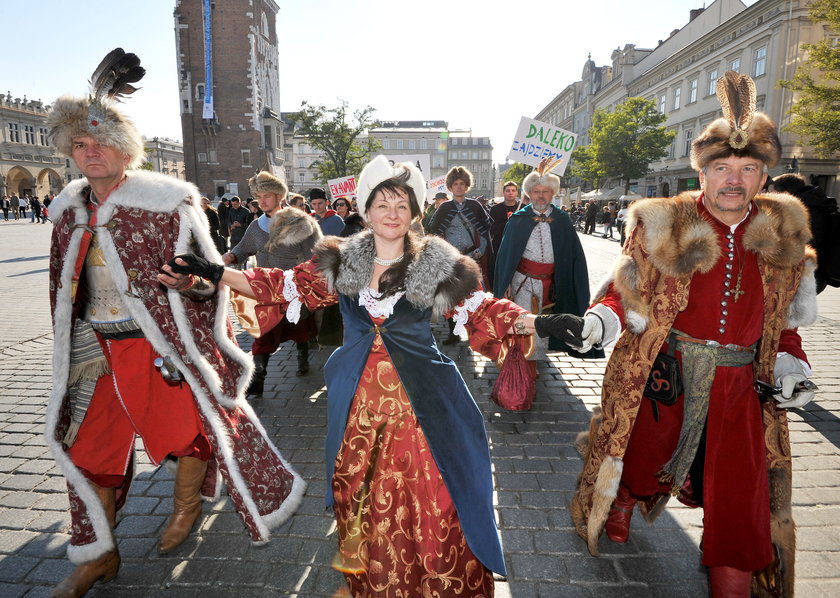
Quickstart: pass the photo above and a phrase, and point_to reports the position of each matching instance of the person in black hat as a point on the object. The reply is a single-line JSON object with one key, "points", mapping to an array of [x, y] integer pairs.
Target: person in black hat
{"points": [[430, 211], [331, 223]]}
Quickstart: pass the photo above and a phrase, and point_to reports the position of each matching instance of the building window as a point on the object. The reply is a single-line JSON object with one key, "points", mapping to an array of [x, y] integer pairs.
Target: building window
{"points": [[662, 101], [202, 158], [412, 144], [689, 133], [454, 141], [485, 155], [199, 92], [29, 134], [760, 61], [713, 77], [453, 155], [677, 95], [473, 155], [246, 157], [672, 149], [301, 163], [398, 143], [211, 156], [269, 137], [692, 91], [301, 177], [437, 161], [14, 133], [423, 144], [465, 155], [735, 65]]}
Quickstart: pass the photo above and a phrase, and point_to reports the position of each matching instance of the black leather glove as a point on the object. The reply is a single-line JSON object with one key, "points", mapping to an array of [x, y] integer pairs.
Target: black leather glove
{"points": [[566, 327], [199, 266]]}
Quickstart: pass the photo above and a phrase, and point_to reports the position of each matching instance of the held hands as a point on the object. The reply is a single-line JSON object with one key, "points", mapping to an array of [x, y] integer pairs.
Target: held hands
{"points": [[189, 263], [579, 333]]}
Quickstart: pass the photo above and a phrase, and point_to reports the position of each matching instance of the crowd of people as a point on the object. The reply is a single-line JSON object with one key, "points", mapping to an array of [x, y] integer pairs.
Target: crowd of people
{"points": [[14, 207], [703, 303]]}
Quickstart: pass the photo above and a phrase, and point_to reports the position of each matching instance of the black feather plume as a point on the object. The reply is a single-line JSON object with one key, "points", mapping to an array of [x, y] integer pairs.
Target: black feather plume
{"points": [[113, 77]]}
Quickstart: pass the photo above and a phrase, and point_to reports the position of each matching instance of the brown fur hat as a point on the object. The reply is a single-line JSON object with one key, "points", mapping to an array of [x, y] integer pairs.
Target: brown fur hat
{"points": [[73, 117], [742, 132], [265, 182], [459, 172]]}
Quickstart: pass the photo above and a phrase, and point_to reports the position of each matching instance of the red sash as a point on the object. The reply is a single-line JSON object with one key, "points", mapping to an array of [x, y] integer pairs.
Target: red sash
{"points": [[540, 271]]}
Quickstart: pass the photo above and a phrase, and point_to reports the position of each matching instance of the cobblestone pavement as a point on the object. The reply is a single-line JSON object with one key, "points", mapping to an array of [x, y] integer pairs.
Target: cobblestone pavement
{"points": [[535, 470]]}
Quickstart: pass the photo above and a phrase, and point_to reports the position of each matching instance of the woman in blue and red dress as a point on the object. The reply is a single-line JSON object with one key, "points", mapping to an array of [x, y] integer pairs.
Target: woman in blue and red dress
{"points": [[407, 453]]}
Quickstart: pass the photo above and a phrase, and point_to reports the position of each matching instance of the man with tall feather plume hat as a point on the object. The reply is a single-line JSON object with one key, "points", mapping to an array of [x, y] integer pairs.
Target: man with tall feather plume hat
{"points": [[703, 307], [137, 354]]}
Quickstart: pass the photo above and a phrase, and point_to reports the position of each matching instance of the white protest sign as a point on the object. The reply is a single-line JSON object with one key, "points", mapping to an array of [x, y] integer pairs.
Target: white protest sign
{"points": [[536, 140], [421, 161], [435, 186], [343, 187]]}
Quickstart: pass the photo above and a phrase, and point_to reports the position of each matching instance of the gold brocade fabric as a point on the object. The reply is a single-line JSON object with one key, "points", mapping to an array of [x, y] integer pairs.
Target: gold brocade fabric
{"points": [[411, 543]]}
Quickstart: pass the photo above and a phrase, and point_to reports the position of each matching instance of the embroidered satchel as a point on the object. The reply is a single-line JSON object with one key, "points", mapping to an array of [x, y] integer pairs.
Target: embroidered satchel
{"points": [[664, 384]]}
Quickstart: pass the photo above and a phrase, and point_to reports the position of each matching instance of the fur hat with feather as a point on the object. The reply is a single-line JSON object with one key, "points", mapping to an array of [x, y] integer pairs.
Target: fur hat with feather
{"points": [[541, 175], [742, 131], [265, 182], [96, 116]]}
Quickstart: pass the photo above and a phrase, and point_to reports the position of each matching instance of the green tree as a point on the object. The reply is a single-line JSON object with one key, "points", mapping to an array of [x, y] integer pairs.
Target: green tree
{"points": [[331, 130], [584, 164], [516, 173], [816, 111], [623, 143]]}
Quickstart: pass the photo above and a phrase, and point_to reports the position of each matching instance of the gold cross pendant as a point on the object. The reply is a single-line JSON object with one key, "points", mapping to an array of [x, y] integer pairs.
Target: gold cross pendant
{"points": [[737, 292]]}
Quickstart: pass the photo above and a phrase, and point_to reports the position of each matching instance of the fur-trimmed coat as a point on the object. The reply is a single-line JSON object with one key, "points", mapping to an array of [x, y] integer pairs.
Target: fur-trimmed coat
{"points": [[289, 240], [437, 279], [669, 243], [145, 222]]}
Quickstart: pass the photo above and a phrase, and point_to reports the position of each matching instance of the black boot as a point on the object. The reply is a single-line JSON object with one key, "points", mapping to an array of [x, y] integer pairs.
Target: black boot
{"points": [[258, 381], [452, 338], [303, 359]]}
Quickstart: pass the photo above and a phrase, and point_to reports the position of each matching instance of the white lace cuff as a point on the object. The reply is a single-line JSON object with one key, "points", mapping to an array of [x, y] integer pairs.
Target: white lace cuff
{"points": [[290, 294], [463, 311], [378, 308]]}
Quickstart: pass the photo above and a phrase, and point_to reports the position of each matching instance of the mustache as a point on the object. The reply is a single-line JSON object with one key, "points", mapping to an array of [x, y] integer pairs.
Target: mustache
{"points": [[732, 190]]}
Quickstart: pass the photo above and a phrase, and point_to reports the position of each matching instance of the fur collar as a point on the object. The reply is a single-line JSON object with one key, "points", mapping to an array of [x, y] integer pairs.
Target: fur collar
{"points": [[438, 276], [150, 191], [681, 242], [291, 226]]}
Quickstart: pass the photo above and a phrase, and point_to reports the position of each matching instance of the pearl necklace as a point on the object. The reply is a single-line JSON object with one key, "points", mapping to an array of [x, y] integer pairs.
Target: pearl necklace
{"points": [[391, 262]]}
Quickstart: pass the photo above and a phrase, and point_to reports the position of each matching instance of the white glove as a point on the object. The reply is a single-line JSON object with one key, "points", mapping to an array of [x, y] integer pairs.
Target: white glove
{"points": [[593, 332], [790, 399], [790, 371]]}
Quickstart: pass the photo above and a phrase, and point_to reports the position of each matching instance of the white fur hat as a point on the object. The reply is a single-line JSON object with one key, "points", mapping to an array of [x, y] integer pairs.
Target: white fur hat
{"points": [[379, 170]]}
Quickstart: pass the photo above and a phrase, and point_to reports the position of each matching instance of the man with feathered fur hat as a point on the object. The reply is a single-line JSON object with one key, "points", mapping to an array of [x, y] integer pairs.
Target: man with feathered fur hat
{"points": [[465, 224], [540, 264], [280, 238], [703, 303], [136, 354]]}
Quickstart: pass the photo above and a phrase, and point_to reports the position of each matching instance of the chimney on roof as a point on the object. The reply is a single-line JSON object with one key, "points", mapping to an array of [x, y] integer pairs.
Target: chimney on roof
{"points": [[695, 13]]}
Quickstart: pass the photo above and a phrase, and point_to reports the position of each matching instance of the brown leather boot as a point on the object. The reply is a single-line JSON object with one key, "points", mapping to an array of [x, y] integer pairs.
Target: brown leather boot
{"points": [[729, 582], [103, 569], [618, 520], [188, 479]]}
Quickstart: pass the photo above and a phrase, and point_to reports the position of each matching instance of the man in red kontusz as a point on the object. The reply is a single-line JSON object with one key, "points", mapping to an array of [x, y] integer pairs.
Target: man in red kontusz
{"points": [[137, 355], [707, 295]]}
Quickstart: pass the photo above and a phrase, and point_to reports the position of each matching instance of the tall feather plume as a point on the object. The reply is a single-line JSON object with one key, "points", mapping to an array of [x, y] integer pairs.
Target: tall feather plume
{"points": [[737, 99], [114, 76], [546, 165]]}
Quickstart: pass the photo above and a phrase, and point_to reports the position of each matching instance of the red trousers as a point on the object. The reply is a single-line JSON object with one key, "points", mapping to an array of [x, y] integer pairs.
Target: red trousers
{"points": [[134, 401]]}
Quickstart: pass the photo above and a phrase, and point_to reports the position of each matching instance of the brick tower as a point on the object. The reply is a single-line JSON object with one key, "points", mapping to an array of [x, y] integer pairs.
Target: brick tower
{"points": [[229, 92]]}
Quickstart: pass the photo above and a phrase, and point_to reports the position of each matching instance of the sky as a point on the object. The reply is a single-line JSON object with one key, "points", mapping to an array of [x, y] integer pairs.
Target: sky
{"points": [[477, 64]]}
